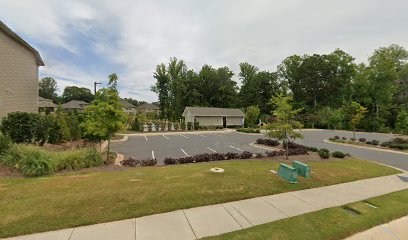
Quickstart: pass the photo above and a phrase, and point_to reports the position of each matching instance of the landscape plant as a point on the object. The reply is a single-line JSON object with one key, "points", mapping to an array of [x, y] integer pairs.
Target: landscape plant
{"points": [[252, 116], [284, 127], [104, 116]]}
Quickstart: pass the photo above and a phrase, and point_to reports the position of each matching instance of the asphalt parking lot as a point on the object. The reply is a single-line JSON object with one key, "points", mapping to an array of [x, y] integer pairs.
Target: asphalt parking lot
{"points": [[186, 144], [189, 144]]}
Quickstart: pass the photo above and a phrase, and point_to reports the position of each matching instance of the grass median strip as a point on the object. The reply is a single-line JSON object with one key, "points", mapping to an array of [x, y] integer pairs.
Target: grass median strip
{"points": [[329, 224], [31, 205]]}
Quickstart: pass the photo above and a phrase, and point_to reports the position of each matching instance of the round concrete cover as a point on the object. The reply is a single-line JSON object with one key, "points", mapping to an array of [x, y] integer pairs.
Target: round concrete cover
{"points": [[217, 170]]}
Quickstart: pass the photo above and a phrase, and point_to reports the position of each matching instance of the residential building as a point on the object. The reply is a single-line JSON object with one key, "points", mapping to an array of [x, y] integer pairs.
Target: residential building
{"points": [[148, 108], [19, 63], [207, 116], [128, 107], [46, 105], [74, 105]]}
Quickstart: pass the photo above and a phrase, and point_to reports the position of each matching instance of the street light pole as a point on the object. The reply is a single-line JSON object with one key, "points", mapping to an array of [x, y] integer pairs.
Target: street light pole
{"points": [[95, 83]]}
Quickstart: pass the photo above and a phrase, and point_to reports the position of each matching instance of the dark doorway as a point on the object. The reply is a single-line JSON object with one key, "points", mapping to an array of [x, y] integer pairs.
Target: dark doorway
{"points": [[224, 122]]}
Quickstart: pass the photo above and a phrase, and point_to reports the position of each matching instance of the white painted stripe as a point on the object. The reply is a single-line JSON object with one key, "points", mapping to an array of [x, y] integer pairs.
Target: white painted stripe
{"points": [[239, 149], [184, 152], [146, 138], [184, 136], [211, 149], [165, 137], [153, 155]]}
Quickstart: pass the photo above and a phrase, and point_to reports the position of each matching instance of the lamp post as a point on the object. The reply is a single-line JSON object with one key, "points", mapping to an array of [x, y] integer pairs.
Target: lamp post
{"points": [[96, 83]]}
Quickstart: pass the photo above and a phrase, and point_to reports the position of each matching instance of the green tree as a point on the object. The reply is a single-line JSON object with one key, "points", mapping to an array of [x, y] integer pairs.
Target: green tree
{"points": [[64, 133], [104, 117], [77, 93], [47, 88], [284, 127], [252, 115], [402, 122], [358, 113], [74, 128], [248, 93]]}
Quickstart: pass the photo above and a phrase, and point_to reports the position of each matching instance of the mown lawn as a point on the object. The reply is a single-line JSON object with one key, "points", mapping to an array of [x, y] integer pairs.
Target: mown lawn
{"points": [[41, 204], [328, 224]]}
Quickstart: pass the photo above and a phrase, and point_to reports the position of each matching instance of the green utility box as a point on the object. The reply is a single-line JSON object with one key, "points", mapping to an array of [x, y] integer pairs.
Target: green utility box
{"points": [[302, 169], [288, 173]]}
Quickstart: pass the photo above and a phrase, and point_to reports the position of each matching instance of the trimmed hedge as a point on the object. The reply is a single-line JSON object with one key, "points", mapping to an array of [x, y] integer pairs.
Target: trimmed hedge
{"points": [[324, 153], [249, 130], [338, 154]]}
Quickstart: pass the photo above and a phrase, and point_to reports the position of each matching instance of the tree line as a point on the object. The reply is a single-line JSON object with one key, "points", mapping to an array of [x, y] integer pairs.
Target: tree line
{"points": [[327, 87]]}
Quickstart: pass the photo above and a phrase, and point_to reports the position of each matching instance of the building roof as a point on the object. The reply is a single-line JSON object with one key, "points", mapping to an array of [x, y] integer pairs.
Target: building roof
{"points": [[17, 38], [74, 104], [41, 101], [148, 106], [126, 104], [214, 112]]}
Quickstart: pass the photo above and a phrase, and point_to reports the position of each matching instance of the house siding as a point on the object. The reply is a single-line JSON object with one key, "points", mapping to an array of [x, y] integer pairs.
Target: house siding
{"points": [[209, 121], [234, 121], [18, 77]]}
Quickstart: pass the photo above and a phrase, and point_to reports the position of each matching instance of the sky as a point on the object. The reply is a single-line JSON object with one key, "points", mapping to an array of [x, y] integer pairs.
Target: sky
{"points": [[82, 41]]}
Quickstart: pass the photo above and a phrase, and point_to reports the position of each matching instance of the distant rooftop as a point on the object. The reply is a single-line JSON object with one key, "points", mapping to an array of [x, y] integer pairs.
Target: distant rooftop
{"points": [[126, 104], [219, 112], [148, 106], [74, 104]]}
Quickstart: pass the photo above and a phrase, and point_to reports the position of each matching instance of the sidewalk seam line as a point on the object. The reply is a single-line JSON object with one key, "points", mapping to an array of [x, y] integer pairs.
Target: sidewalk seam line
{"points": [[72, 232], [294, 195], [232, 216], [270, 204], [191, 227], [242, 215]]}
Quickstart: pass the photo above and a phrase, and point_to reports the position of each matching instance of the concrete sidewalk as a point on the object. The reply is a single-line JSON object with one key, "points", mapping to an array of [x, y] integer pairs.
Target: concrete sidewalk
{"points": [[395, 230], [212, 220]]}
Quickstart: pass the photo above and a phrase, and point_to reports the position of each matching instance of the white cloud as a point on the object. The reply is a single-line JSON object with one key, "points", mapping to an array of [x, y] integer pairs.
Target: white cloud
{"points": [[132, 37]]}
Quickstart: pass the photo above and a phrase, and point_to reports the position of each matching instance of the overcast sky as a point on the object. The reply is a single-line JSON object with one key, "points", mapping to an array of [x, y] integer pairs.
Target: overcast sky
{"points": [[83, 41]]}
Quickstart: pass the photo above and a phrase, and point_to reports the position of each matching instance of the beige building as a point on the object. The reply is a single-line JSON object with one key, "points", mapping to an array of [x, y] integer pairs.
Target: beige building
{"points": [[74, 105], [19, 63], [46, 105], [207, 116], [128, 107], [148, 108]]}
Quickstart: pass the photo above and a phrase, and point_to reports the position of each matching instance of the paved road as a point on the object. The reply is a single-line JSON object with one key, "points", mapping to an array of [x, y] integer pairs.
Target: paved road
{"points": [[314, 138], [141, 147]]}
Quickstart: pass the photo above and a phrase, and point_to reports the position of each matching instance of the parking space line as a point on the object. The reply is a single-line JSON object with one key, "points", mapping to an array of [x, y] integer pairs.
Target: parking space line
{"points": [[239, 149], [184, 152], [146, 138], [165, 137], [211, 149], [153, 155], [184, 136]]}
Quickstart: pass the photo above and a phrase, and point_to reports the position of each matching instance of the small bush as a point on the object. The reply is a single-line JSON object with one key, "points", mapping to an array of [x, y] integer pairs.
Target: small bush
{"points": [[5, 144], [231, 155], [249, 130], [148, 162], [170, 161], [76, 159], [368, 142], [275, 153], [259, 155], [385, 144], [323, 154], [399, 146], [130, 162], [297, 151], [292, 145], [267, 141], [324, 150], [343, 138], [336, 138], [196, 125], [136, 124], [312, 149], [245, 155], [189, 126], [375, 142], [338, 154], [362, 139], [353, 139], [399, 140]]}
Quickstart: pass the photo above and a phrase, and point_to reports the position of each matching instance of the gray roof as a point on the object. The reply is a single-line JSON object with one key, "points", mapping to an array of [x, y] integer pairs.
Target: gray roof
{"points": [[126, 104], [74, 104], [17, 38], [219, 112], [148, 106]]}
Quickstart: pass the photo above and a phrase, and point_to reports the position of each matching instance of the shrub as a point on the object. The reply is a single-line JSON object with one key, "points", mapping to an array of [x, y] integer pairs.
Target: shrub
{"points": [[385, 144], [176, 126], [336, 138], [231, 155], [189, 126], [170, 161], [375, 142], [267, 141], [324, 150], [64, 133], [76, 159], [196, 125], [136, 124], [183, 126], [297, 151], [163, 125], [399, 140], [259, 155], [368, 142], [275, 153], [5, 144], [20, 126], [338, 154], [353, 139], [245, 155], [292, 145], [362, 139], [148, 162], [168, 126], [399, 146], [130, 162], [343, 138], [323, 154], [249, 130], [150, 127], [312, 149], [73, 124]]}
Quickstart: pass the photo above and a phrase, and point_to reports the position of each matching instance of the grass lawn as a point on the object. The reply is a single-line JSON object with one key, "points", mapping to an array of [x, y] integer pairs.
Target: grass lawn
{"points": [[31, 205], [329, 224]]}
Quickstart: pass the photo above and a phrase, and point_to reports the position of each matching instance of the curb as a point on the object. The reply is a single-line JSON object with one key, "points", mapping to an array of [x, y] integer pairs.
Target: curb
{"points": [[171, 133]]}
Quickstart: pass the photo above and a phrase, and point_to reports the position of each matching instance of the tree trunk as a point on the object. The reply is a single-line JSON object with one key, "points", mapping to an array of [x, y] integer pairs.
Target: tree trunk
{"points": [[107, 152]]}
